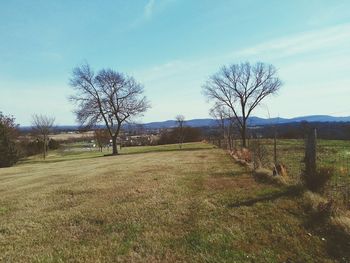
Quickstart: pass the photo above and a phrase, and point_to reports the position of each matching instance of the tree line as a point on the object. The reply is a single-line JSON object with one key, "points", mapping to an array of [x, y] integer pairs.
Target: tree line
{"points": [[115, 99]]}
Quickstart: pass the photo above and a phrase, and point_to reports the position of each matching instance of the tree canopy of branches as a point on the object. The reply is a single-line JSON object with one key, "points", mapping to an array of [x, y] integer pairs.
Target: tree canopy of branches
{"points": [[43, 125], [226, 123], [240, 88], [107, 97], [180, 119], [8, 135]]}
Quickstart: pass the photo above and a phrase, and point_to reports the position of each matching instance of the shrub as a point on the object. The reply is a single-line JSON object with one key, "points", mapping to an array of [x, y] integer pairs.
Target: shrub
{"points": [[319, 207], [266, 176], [53, 144], [318, 181], [8, 134], [260, 154], [8, 150], [29, 148], [190, 134]]}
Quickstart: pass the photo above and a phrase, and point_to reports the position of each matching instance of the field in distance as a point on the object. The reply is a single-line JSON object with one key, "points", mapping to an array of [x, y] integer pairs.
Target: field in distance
{"points": [[152, 204]]}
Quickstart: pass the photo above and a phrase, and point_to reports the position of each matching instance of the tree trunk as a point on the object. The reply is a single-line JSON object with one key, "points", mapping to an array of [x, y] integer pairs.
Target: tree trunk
{"points": [[229, 141], [310, 153], [244, 135], [114, 145], [275, 148], [44, 153]]}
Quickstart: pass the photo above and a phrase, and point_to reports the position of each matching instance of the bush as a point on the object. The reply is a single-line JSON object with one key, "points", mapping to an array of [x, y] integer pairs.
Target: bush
{"points": [[189, 135], [8, 151], [318, 181], [8, 134], [266, 176], [53, 144], [319, 208], [29, 148], [260, 154]]}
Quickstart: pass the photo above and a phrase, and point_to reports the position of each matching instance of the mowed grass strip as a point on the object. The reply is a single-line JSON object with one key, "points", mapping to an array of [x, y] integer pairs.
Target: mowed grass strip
{"points": [[163, 205]]}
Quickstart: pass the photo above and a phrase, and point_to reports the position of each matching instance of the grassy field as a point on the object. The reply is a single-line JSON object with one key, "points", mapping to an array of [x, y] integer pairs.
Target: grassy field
{"points": [[153, 204], [330, 153]]}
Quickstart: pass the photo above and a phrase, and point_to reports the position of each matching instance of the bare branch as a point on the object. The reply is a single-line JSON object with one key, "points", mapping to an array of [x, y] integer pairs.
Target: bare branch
{"points": [[110, 97], [240, 88]]}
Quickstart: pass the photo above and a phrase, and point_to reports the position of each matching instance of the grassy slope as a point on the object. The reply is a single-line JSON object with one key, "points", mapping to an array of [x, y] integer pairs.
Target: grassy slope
{"points": [[166, 205]]}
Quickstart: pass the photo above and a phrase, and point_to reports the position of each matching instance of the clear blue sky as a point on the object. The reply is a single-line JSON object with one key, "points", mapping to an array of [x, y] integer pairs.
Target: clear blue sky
{"points": [[172, 46]]}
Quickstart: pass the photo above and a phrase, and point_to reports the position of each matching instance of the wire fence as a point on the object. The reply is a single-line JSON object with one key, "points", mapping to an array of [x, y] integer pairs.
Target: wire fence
{"points": [[331, 154], [338, 188]]}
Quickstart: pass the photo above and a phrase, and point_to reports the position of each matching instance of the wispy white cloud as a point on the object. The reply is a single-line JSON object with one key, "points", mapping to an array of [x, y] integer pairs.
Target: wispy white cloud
{"points": [[312, 64], [149, 9], [312, 41], [327, 44], [336, 12]]}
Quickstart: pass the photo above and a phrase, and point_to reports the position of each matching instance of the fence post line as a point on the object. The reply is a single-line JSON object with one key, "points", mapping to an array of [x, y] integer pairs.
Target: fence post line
{"points": [[311, 153]]}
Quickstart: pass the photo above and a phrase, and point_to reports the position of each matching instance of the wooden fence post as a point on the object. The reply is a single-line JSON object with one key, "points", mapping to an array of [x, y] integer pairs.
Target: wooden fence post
{"points": [[310, 153], [275, 148]]}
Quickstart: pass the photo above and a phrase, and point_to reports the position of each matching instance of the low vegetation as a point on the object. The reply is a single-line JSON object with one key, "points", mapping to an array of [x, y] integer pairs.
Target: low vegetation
{"points": [[154, 204], [8, 134]]}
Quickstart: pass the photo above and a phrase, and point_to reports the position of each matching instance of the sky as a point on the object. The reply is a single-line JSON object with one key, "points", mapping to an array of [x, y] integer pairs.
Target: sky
{"points": [[172, 47]]}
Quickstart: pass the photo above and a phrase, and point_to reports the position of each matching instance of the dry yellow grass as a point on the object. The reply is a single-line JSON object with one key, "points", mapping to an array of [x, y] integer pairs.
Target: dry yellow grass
{"points": [[69, 136], [193, 205]]}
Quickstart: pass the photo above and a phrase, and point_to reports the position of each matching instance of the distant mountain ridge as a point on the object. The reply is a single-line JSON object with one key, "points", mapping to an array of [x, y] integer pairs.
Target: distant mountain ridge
{"points": [[252, 121]]}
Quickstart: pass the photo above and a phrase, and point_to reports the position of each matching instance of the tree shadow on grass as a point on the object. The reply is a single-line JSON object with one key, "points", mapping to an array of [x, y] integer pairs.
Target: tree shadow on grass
{"points": [[228, 174], [58, 160], [337, 241], [163, 150], [75, 156], [338, 244], [290, 191]]}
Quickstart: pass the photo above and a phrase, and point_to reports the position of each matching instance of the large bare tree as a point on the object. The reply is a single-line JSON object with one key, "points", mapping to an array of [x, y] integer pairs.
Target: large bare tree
{"points": [[43, 125], [107, 97], [240, 88]]}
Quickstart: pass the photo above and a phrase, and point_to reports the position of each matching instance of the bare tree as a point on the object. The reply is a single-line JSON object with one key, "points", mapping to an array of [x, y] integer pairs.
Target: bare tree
{"points": [[225, 122], [43, 125], [102, 138], [240, 88], [180, 119], [218, 113], [107, 97]]}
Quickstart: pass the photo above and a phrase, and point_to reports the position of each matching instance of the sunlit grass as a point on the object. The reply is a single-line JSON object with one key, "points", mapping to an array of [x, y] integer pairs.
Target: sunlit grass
{"points": [[79, 151], [150, 204]]}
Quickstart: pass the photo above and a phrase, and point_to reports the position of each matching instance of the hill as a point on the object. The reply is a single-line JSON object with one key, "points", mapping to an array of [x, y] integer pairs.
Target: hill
{"points": [[253, 121], [151, 204]]}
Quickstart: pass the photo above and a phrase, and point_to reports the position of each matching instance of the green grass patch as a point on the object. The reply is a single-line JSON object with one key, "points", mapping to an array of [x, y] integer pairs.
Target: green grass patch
{"points": [[152, 204]]}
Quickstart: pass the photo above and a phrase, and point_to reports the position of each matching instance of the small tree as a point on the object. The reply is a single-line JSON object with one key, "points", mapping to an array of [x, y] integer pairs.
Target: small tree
{"points": [[8, 135], [102, 138], [107, 97], [240, 88], [219, 114], [225, 122], [43, 125], [180, 119]]}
